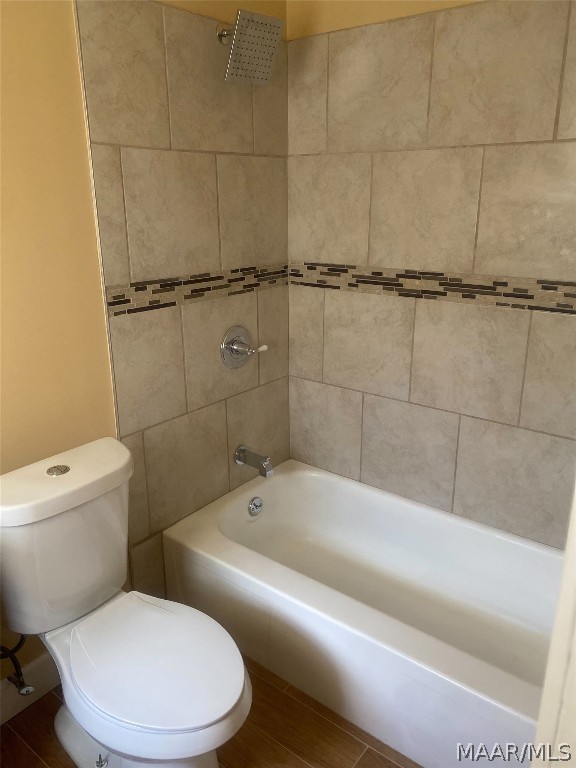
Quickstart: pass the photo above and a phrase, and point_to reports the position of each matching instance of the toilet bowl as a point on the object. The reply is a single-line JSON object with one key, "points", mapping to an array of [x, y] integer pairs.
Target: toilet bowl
{"points": [[150, 679], [146, 682]]}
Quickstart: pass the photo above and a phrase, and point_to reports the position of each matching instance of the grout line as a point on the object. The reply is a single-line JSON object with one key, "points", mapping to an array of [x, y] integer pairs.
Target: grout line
{"points": [[268, 682], [123, 182], [430, 78], [432, 146], [253, 123], [480, 183], [145, 480], [281, 745], [165, 44], [524, 369], [360, 758], [323, 328], [26, 743], [455, 465], [193, 410], [320, 714], [361, 436], [150, 536], [562, 71], [412, 351], [442, 410], [218, 212], [181, 318], [227, 446], [358, 737], [258, 357], [327, 113], [189, 151], [57, 694], [371, 190]]}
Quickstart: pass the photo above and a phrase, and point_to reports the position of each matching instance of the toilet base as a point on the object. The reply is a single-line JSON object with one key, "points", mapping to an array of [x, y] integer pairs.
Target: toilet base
{"points": [[86, 751]]}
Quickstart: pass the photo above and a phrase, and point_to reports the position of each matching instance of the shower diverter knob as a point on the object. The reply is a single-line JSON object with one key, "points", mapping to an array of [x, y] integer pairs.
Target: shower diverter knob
{"points": [[236, 347]]}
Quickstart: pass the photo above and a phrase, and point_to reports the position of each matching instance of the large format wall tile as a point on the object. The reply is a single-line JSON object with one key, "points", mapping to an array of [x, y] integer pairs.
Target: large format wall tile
{"points": [[307, 94], [526, 225], [469, 359], [549, 399], [206, 112], [171, 212], [260, 420], [111, 219], [147, 561], [271, 109], [326, 426], [253, 210], [273, 331], [368, 342], [138, 519], [567, 121], [378, 86], [306, 323], [328, 204], [204, 324], [496, 72], [409, 450], [124, 72], [424, 209], [186, 464], [515, 480], [148, 368]]}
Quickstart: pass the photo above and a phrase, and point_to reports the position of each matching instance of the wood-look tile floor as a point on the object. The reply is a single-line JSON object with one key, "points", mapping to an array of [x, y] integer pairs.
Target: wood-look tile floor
{"points": [[285, 729]]}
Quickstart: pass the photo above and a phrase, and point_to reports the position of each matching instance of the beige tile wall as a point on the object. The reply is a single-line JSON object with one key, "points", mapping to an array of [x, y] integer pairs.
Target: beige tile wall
{"points": [[464, 80], [190, 177], [469, 408], [567, 117], [515, 371], [189, 171], [391, 130]]}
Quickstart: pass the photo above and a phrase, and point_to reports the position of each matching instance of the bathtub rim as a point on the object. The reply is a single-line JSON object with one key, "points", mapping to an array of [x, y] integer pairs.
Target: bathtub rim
{"points": [[200, 538]]}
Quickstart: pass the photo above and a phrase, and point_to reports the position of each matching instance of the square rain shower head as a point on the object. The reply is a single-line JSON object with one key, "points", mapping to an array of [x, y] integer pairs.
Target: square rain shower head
{"points": [[255, 41]]}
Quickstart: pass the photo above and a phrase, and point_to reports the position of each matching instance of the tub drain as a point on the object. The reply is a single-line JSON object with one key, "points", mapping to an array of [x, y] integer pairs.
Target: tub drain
{"points": [[255, 506]]}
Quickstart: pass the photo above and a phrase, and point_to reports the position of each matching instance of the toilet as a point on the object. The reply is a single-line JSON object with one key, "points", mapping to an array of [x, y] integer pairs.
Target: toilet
{"points": [[147, 682]]}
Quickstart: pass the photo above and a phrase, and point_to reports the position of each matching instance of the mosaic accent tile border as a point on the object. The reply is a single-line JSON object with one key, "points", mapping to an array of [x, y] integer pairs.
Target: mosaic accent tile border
{"points": [[542, 295], [148, 295], [515, 292]]}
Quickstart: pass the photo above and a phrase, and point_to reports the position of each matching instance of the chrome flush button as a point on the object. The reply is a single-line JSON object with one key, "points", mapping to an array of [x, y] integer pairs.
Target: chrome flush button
{"points": [[57, 469]]}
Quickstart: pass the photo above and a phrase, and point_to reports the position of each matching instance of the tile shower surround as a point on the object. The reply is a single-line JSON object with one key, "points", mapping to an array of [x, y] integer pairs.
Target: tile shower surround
{"points": [[434, 225], [412, 170]]}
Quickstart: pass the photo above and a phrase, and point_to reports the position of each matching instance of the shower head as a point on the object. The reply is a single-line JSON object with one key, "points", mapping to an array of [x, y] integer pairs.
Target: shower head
{"points": [[255, 40]]}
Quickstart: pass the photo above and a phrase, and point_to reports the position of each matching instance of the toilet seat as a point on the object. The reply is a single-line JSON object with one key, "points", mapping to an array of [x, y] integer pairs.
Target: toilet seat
{"points": [[109, 635], [156, 665]]}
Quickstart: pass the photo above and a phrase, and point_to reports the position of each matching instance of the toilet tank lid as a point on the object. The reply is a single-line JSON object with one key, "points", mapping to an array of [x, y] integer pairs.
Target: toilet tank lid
{"points": [[30, 494]]}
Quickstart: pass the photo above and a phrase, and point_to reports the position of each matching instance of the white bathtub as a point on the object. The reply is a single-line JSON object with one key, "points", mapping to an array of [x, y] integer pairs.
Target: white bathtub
{"points": [[423, 628]]}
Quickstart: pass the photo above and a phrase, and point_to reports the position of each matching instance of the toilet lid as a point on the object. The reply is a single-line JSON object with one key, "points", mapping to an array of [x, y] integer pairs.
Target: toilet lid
{"points": [[156, 665]]}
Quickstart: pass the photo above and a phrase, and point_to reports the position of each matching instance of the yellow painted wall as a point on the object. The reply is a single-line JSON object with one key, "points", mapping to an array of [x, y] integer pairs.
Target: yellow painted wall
{"points": [[55, 378], [312, 17], [225, 10], [56, 385]]}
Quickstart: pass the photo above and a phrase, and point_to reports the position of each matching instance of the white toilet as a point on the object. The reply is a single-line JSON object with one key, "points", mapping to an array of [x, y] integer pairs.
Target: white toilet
{"points": [[147, 682]]}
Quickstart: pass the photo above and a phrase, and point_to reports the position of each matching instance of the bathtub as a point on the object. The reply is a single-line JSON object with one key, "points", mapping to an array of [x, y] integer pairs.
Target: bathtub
{"points": [[423, 628]]}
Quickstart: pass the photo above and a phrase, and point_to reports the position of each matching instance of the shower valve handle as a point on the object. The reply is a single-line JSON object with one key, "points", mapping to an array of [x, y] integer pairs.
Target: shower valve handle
{"points": [[241, 348], [236, 347]]}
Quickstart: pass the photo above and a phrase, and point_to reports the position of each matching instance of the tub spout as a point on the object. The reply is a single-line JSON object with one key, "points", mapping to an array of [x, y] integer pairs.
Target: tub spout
{"points": [[262, 463]]}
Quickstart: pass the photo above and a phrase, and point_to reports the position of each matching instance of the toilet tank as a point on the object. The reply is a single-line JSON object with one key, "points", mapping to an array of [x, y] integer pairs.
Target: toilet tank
{"points": [[64, 535]]}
